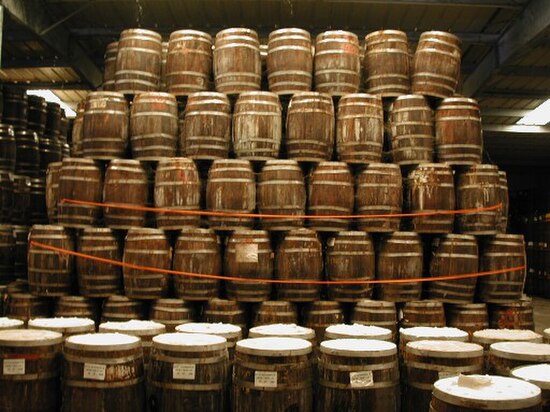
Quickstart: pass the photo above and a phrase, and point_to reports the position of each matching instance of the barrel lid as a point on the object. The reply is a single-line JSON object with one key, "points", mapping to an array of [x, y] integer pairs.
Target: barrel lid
{"points": [[368, 303], [280, 162], [386, 31], [103, 341], [63, 325], [251, 232], [459, 99], [29, 337], [187, 32], [535, 374], [102, 230], [358, 347], [547, 333], [274, 346], [459, 236], [7, 323], [290, 330], [289, 30], [444, 349], [357, 331], [485, 392], [528, 351], [104, 94], [432, 333], [134, 327], [467, 306], [189, 342], [505, 335], [145, 32], [227, 330], [331, 33]]}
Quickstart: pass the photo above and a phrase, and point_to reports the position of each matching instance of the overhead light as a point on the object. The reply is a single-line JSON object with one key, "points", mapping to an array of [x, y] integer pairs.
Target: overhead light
{"points": [[51, 97], [537, 117]]}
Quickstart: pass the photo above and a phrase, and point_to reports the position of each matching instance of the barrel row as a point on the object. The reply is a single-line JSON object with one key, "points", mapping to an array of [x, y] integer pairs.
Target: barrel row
{"points": [[335, 63]]}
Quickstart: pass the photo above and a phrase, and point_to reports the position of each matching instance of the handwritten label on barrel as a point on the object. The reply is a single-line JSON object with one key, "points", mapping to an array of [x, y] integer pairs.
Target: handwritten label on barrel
{"points": [[183, 371], [362, 379], [97, 104], [264, 379], [14, 367], [94, 371], [246, 253]]}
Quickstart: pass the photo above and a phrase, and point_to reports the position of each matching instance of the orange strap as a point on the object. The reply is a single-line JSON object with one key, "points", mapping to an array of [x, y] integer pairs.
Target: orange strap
{"points": [[278, 281]]}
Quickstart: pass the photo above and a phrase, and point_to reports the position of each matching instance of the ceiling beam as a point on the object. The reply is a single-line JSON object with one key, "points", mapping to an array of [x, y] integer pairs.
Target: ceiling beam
{"points": [[533, 21], [497, 112], [526, 71], [516, 129], [30, 13], [34, 63], [516, 93], [50, 85]]}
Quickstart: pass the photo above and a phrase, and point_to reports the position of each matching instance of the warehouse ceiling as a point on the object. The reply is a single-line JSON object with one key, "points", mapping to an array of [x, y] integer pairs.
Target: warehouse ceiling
{"points": [[59, 44]]}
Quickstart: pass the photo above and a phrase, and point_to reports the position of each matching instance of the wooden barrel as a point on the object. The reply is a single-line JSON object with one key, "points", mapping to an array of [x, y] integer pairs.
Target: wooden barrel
{"points": [[27, 152], [538, 375], [153, 126], [147, 248], [30, 370], [7, 249], [76, 307], [225, 311], [469, 317], [138, 61], [360, 128], [513, 315], [103, 369], [237, 64], [232, 333], [66, 326], [505, 356], [502, 252], [6, 197], [21, 234], [163, 58], [310, 127], [358, 331], [504, 199], [171, 313], [38, 212], [421, 333], [350, 257], [428, 361], [21, 198], [50, 273], [289, 61], [430, 188], [54, 115], [475, 393], [399, 256], [105, 126], [248, 254], [337, 63], [412, 132], [458, 134], [205, 133], [379, 191], [178, 188], [188, 62], [423, 313], [436, 64], [76, 133], [273, 372], [109, 67], [281, 191], [15, 106], [275, 311], [36, 113], [126, 182], [257, 126], [24, 306], [299, 256], [453, 255], [197, 251], [82, 180], [358, 374], [118, 308], [189, 369], [97, 279], [387, 63], [330, 192], [53, 175], [321, 314], [231, 188], [283, 330], [9, 323], [477, 187], [487, 337], [50, 151], [376, 313]]}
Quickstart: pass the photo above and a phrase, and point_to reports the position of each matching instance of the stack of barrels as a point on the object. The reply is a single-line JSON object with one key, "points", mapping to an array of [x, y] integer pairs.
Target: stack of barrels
{"points": [[537, 238], [348, 135]]}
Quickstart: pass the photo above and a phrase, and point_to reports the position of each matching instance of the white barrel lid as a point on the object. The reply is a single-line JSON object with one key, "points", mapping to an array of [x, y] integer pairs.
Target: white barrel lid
{"points": [[358, 347], [487, 393], [432, 333], [274, 346], [290, 330], [357, 331], [227, 330], [536, 374], [444, 349], [8, 323], [103, 341], [63, 325], [528, 351], [29, 337], [189, 342], [134, 327], [546, 334], [505, 335]]}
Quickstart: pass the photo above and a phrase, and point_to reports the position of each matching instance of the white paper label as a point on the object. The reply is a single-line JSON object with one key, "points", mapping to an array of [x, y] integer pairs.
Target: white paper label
{"points": [[94, 371], [331, 241], [98, 104], [246, 253], [183, 371], [447, 374], [265, 379], [361, 379], [14, 367]]}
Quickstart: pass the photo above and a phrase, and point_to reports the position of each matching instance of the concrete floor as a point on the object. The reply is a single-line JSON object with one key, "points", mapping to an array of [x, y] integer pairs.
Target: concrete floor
{"points": [[541, 312]]}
